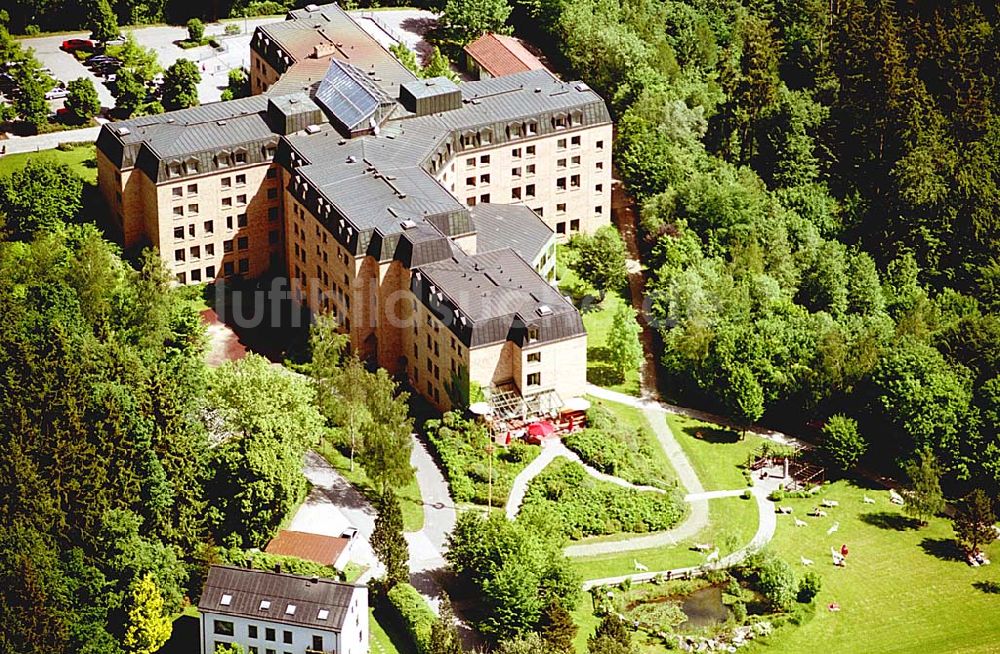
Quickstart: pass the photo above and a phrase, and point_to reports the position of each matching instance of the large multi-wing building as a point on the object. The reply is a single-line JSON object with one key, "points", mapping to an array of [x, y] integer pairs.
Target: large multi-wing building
{"points": [[421, 213]]}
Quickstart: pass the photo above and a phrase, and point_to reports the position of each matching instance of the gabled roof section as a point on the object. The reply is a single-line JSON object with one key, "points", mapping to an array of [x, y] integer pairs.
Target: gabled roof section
{"points": [[515, 226], [354, 102], [502, 55]]}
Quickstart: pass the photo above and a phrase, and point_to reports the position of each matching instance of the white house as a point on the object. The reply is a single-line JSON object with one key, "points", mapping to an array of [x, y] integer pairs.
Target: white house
{"points": [[277, 613]]}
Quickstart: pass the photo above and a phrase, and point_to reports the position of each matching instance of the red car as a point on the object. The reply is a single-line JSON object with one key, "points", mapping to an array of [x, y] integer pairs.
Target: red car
{"points": [[76, 44]]}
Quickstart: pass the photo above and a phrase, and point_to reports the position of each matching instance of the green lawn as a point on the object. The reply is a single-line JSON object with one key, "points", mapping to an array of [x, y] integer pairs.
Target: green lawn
{"points": [[718, 455], [409, 495], [903, 589], [384, 639], [81, 159], [732, 524], [597, 318]]}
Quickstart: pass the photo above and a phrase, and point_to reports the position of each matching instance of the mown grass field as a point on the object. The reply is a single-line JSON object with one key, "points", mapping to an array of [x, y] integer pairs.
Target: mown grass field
{"points": [[717, 456], [81, 159]]}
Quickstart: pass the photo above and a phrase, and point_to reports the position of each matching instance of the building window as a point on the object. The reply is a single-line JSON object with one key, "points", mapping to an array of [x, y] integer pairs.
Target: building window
{"points": [[241, 220], [599, 145], [269, 634], [195, 252], [561, 184], [272, 193], [178, 191], [575, 141], [227, 202], [244, 266], [574, 181], [227, 245], [561, 144], [178, 211], [179, 255], [599, 188], [516, 153], [530, 169], [470, 162], [192, 189], [561, 207], [241, 180], [485, 197], [287, 637], [317, 643], [241, 199], [242, 243], [535, 379], [241, 157], [179, 233], [227, 268], [272, 213], [600, 165], [471, 202], [210, 272], [529, 151], [271, 172], [484, 159], [574, 225], [227, 182], [174, 170], [534, 357], [181, 278], [560, 163], [223, 627], [470, 181], [515, 193], [599, 209], [195, 275], [229, 222], [575, 160], [193, 209], [561, 228], [532, 334], [210, 249], [515, 172], [484, 179]]}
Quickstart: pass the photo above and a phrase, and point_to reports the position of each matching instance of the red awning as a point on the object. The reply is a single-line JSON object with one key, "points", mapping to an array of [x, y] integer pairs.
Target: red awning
{"points": [[542, 428]]}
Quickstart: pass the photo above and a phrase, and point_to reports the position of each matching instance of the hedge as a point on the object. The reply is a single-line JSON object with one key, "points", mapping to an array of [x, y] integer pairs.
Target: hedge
{"points": [[414, 614]]}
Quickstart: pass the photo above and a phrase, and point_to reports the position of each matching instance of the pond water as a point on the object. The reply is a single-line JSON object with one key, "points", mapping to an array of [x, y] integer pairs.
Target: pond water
{"points": [[704, 608]]}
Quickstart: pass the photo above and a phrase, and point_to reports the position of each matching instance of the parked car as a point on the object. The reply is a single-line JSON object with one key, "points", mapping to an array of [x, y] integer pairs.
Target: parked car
{"points": [[114, 41], [56, 93], [76, 44], [98, 60]]}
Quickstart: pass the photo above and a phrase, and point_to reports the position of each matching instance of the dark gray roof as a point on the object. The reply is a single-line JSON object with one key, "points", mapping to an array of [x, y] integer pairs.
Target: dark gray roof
{"points": [[515, 226], [248, 588], [494, 296], [152, 142]]}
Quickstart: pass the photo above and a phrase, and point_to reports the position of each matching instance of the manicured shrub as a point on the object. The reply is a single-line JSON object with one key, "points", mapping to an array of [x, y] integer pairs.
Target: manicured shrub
{"points": [[417, 618], [809, 586], [774, 578]]}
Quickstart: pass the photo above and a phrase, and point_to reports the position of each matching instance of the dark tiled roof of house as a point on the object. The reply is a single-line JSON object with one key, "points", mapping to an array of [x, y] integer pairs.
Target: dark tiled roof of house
{"points": [[502, 55], [278, 597], [324, 550]]}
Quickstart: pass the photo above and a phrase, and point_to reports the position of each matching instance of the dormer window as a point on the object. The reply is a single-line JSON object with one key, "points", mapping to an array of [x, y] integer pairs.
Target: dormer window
{"points": [[514, 130], [485, 136], [222, 159], [559, 121], [576, 117], [532, 334], [191, 166], [469, 140], [240, 156], [531, 128], [174, 169]]}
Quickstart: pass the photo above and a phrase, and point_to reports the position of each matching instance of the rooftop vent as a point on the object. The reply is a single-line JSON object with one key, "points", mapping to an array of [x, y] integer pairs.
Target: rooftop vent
{"points": [[226, 600], [220, 122], [264, 605], [544, 310], [323, 614], [352, 159], [407, 224], [123, 131], [311, 8], [538, 89], [312, 129]]}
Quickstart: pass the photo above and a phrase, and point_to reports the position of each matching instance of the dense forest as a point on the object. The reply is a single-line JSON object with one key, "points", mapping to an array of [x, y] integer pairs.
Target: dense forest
{"points": [[818, 184]]}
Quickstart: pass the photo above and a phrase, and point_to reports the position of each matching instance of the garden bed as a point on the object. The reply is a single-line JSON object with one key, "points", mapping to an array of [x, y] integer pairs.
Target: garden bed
{"points": [[585, 506], [462, 448]]}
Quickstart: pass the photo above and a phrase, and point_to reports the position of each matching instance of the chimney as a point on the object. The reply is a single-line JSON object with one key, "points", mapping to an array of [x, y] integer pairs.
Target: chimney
{"points": [[321, 50]]}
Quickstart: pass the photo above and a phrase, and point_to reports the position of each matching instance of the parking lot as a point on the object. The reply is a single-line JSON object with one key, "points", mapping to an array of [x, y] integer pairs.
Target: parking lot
{"points": [[215, 64]]}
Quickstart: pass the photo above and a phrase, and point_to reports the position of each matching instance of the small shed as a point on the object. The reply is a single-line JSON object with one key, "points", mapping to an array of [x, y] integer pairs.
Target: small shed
{"points": [[495, 55]]}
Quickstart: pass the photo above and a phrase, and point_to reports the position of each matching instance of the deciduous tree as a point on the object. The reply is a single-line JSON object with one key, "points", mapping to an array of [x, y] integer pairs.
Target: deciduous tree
{"points": [[623, 341], [600, 259], [180, 85], [83, 102], [467, 20], [843, 445]]}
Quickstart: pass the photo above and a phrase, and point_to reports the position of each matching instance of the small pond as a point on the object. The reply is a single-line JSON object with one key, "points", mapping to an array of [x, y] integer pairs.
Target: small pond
{"points": [[704, 608]]}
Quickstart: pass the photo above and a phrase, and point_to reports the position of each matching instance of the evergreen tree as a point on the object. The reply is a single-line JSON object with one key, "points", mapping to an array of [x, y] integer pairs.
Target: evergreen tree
{"points": [[406, 57], [974, 520], [439, 65], [148, 627], [623, 342], [387, 540], [103, 22], [557, 629], [611, 637], [444, 632], [926, 499]]}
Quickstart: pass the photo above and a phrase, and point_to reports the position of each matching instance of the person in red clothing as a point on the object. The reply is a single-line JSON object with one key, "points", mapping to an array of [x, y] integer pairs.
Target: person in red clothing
{"points": [[843, 550]]}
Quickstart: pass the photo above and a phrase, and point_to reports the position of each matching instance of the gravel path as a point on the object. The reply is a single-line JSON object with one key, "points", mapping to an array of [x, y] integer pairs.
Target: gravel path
{"points": [[428, 545]]}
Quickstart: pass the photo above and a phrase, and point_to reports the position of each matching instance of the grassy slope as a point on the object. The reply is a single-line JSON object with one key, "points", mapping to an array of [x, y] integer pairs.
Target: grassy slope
{"points": [[636, 420], [77, 159], [597, 318], [409, 495], [383, 639], [717, 455], [902, 590], [733, 522]]}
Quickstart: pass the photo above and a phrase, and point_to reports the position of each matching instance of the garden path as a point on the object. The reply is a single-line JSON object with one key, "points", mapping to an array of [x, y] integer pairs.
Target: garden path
{"points": [[550, 450]]}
